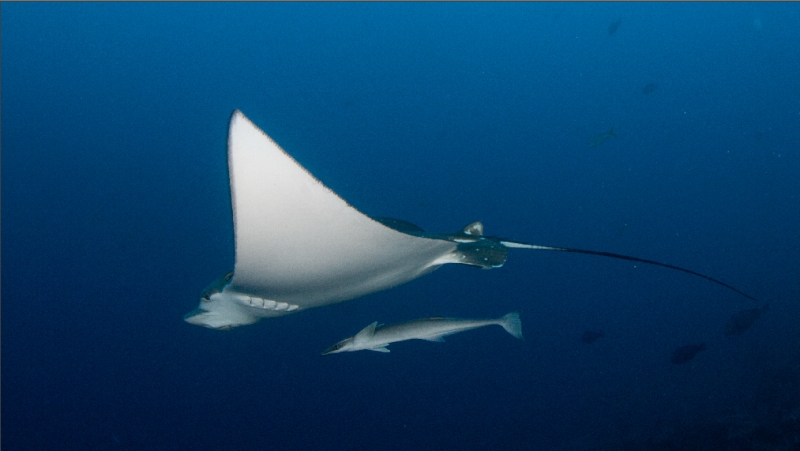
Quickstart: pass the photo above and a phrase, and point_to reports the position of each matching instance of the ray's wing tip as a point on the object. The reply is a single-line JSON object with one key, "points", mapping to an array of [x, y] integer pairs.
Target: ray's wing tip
{"points": [[237, 116]]}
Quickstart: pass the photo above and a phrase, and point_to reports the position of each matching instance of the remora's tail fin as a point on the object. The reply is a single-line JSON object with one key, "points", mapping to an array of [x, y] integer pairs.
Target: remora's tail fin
{"points": [[512, 324]]}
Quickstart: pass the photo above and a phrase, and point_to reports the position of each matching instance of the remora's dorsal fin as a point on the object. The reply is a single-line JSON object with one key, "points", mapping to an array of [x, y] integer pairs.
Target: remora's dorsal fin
{"points": [[366, 333], [474, 229]]}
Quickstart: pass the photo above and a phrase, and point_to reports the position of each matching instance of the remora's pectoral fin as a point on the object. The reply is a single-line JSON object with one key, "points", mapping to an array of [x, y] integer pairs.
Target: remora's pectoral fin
{"points": [[381, 349], [437, 339]]}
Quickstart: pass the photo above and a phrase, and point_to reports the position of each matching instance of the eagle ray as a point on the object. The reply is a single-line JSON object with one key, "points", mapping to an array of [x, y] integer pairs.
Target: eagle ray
{"points": [[298, 245]]}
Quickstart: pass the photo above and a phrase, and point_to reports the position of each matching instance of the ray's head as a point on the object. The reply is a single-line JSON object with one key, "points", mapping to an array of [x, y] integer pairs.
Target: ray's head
{"points": [[216, 311]]}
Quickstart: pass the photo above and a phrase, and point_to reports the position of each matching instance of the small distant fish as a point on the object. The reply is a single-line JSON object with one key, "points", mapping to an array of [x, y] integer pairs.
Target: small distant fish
{"points": [[590, 336], [613, 27], [374, 338], [685, 353], [742, 321], [601, 138], [649, 88]]}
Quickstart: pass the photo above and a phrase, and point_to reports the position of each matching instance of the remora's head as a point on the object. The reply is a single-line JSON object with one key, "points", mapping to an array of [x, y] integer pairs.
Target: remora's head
{"points": [[360, 341], [342, 346], [217, 310]]}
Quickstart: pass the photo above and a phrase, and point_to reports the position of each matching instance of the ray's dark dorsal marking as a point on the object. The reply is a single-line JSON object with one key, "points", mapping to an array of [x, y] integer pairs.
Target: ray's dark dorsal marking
{"points": [[624, 257]]}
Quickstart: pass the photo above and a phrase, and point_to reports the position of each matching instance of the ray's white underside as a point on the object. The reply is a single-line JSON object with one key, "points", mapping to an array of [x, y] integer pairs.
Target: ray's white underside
{"points": [[298, 244]]}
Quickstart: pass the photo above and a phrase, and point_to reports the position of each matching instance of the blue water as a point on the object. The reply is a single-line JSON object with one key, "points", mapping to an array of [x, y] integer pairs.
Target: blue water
{"points": [[116, 214]]}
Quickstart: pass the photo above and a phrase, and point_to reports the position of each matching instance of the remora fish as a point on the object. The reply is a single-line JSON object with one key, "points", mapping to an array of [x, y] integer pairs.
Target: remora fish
{"points": [[685, 353], [649, 88], [601, 138], [374, 338], [743, 320], [590, 336], [614, 27]]}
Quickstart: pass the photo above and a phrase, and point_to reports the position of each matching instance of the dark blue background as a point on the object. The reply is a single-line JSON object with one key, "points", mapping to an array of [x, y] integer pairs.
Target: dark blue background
{"points": [[116, 214]]}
